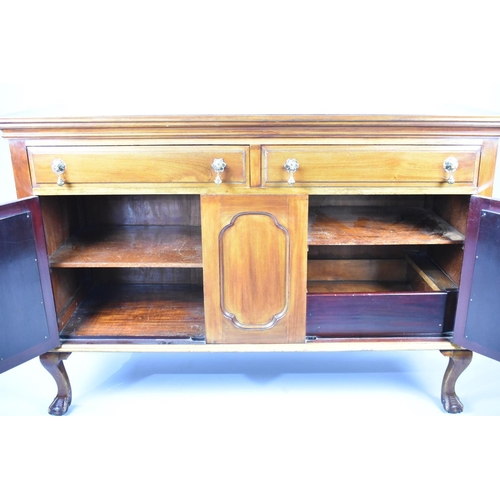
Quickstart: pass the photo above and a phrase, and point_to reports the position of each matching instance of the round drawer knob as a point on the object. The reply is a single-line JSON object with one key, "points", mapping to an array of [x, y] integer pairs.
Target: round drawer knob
{"points": [[450, 165], [291, 166], [59, 167], [218, 165]]}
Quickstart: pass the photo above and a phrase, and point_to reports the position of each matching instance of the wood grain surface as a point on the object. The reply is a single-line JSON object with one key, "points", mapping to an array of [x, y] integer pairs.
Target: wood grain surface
{"points": [[132, 246], [379, 226], [139, 311]]}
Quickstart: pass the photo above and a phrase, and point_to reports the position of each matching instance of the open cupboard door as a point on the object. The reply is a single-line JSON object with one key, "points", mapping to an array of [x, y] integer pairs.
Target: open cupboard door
{"points": [[477, 324], [28, 324]]}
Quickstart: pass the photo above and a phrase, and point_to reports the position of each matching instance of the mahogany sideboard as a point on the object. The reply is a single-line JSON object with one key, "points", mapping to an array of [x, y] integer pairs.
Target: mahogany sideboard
{"points": [[250, 233]]}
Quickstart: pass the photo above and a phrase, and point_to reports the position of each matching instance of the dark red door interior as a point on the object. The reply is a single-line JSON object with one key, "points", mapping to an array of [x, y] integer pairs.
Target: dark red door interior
{"points": [[478, 318], [28, 325]]}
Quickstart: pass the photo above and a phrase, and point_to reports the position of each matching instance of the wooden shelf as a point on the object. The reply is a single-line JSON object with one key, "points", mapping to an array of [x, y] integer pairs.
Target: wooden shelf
{"points": [[379, 226], [132, 246], [416, 272], [151, 311]]}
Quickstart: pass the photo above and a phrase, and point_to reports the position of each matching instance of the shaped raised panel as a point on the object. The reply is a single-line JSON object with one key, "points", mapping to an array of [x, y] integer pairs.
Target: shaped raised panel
{"points": [[254, 255]]}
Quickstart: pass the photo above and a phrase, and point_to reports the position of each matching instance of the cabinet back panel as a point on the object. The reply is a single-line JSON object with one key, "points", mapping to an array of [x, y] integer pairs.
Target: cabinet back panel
{"points": [[147, 276], [362, 251], [357, 270], [368, 201], [172, 210]]}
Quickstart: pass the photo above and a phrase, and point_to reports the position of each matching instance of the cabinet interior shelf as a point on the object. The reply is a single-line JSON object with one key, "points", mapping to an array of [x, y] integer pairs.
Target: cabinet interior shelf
{"points": [[415, 272], [148, 311], [379, 226], [132, 246]]}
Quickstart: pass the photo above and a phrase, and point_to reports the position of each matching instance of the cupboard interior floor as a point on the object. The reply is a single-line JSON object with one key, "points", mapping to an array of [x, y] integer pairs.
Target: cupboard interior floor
{"points": [[147, 311]]}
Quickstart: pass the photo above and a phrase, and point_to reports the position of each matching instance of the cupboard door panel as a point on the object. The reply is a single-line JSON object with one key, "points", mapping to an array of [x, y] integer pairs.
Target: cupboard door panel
{"points": [[27, 312], [254, 258], [478, 316], [242, 243]]}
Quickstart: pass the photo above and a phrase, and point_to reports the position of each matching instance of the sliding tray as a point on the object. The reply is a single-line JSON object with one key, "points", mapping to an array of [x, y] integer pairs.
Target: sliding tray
{"points": [[379, 297]]}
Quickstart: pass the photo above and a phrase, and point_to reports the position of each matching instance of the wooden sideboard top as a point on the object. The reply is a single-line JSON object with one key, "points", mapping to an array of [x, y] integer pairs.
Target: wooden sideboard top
{"points": [[249, 126]]}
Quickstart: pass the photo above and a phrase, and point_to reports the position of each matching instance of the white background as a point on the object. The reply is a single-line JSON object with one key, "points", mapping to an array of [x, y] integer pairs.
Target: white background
{"points": [[342, 425]]}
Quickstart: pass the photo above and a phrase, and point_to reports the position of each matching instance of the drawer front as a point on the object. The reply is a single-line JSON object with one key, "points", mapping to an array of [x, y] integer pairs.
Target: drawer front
{"points": [[376, 314], [370, 165], [185, 166]]}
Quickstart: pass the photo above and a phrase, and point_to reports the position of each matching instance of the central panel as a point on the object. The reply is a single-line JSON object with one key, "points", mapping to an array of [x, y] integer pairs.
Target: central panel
{"points": [[254, 268], [254, 252]]}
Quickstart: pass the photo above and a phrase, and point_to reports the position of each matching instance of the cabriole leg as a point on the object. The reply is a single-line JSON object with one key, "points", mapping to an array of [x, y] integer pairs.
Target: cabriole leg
{"points": [[53, 363], [459, 361]]}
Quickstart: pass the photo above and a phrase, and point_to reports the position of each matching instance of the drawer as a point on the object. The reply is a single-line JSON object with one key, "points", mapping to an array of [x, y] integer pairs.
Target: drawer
{"points": [[183, 166], [370, 165], [385, 297]]}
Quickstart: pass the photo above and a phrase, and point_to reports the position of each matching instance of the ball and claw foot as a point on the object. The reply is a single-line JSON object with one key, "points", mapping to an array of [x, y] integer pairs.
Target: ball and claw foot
{"points": [[451, 403], [53, 363], [459, 361], [60, 405]]}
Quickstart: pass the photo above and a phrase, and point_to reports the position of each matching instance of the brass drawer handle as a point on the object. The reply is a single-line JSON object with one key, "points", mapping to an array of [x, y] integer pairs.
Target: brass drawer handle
{"points": [[218, 165], [59, 167], [291, 166], [450, 165]]}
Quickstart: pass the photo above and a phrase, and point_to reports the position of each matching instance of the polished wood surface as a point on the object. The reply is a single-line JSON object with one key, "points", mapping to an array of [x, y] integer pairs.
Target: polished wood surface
{"points": [[252, 134], [53, 362], [276, 126], [138, 164], [22, 177], [356, 270], [369, 164], [432, 273], [154, 311], [488, 164], [454, 209], [138, 265], [254, 256], [319, 345], [379, 226], [241, 265], [458, 362], [136, 210], [164, 158], [415, 272], [132, 246], [135, 239], [347, 286]]}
